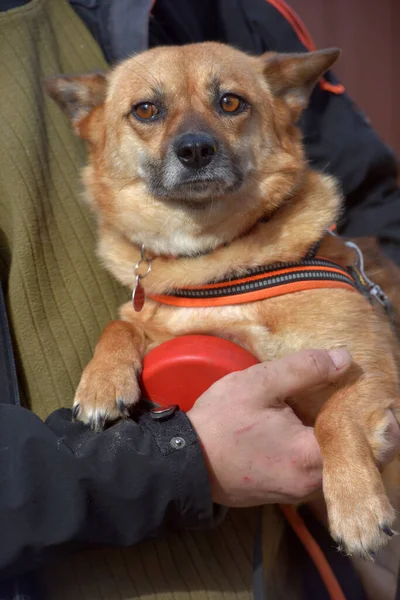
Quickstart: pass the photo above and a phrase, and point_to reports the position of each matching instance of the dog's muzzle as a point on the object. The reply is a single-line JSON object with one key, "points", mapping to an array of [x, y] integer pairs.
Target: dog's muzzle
{"points": [[196, 168]]}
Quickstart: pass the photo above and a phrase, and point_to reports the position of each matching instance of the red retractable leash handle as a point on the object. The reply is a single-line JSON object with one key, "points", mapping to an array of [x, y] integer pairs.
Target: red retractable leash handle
{"points": [[180, 370]]}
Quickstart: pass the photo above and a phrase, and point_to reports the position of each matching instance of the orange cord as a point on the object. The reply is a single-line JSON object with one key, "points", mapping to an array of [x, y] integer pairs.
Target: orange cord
{"points": [[317, 556]]}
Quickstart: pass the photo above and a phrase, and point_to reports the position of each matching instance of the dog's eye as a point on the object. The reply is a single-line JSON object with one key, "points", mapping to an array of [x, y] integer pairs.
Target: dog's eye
{"points": [[230, 103], [145, 111]]}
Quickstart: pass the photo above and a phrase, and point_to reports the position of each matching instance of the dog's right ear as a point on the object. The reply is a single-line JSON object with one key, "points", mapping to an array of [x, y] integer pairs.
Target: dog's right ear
{"points": [[78, 96], [292, 77]]}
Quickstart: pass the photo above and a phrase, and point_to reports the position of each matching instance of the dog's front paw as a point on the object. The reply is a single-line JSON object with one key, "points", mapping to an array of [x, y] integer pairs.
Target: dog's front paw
{"points": [[360, 514], [106, 392]]}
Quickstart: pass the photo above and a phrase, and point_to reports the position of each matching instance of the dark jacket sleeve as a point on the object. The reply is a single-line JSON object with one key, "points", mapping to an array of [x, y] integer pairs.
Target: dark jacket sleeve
{"points": [[61, 484], [340, 140]]}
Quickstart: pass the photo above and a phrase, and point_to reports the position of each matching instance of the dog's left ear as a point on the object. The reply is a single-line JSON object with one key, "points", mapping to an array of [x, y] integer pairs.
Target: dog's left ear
{"points": [[78, 96], [292, 77]]}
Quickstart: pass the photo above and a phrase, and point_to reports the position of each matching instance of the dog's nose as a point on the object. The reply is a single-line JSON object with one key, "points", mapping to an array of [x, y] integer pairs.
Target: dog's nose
{"points": [[196, 150]]}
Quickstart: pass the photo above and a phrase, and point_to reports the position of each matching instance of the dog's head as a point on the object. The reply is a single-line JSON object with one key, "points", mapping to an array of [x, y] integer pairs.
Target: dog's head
{"points": [[189, 146]]}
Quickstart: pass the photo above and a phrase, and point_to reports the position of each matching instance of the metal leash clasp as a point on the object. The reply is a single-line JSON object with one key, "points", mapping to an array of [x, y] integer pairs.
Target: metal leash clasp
{"points": [[138, 294], [374, 290]]}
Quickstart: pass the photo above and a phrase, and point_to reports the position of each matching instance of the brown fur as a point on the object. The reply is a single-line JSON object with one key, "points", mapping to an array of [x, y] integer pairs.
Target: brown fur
{"points": [[198, 238]]}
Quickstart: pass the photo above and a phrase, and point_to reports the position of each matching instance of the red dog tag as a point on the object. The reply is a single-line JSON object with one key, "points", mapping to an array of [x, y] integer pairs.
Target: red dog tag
{"points": [[138, 295]]}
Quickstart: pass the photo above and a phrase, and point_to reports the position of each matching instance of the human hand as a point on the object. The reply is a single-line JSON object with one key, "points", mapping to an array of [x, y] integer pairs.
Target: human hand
{"points": [[257, 450]]}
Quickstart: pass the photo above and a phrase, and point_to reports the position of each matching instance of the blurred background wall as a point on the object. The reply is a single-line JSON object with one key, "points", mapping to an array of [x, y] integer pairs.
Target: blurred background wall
{"points": [[368, 32]]}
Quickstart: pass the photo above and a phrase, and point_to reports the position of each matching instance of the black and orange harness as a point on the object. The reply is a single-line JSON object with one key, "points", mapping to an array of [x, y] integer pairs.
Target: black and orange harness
{"points": [[261, 283]]}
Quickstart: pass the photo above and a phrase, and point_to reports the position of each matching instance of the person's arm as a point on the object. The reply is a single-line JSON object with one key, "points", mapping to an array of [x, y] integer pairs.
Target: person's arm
{"points": [[60, 483]]}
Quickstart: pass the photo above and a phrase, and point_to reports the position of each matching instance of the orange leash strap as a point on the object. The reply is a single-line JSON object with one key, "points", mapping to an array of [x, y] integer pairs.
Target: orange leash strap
{"points": [[317, 556]]}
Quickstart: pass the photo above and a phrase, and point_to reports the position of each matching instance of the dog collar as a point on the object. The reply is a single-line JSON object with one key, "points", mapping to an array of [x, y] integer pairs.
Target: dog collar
{"points": [[311, 273], [262, 283]]}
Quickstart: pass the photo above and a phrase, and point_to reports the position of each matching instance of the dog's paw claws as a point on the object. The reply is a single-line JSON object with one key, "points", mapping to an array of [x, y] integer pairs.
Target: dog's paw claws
{"points": [[97, 421], [388, 531], [363, 538], [105, 393], [360, 523], [340, 546], [123, 408], [75, 412]]}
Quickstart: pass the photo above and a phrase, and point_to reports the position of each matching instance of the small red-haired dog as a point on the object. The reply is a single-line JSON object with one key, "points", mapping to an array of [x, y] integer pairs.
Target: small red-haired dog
{"points": [[195, 156]]}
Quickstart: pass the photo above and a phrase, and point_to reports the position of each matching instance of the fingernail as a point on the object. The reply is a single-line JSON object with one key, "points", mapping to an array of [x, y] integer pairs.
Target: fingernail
{"points": [[340, 358]]}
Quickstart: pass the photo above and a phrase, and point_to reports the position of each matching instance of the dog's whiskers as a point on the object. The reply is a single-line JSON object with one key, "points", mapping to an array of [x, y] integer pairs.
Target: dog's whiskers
{"points": [[210, 211]]}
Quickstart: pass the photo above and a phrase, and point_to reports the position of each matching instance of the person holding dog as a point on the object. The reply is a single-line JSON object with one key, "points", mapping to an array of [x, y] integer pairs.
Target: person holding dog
{"points": [[58, 298]]}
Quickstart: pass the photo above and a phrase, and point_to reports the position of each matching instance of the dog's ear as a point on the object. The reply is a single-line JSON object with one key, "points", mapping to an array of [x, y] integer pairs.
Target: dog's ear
{"points": [[292, 77], [77, 95]]}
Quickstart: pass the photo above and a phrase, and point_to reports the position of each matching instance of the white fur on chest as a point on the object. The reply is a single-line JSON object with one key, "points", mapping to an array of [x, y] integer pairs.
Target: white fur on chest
{"points": [[178, 243]]}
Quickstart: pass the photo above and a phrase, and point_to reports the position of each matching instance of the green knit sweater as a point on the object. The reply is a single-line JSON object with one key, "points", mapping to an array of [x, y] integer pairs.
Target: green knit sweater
{"points": [[59, 297]]}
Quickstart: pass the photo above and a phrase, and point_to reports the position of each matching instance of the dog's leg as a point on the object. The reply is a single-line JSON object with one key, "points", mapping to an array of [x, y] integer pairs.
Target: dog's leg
{"points": [[109, 384], [350, 430]]}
